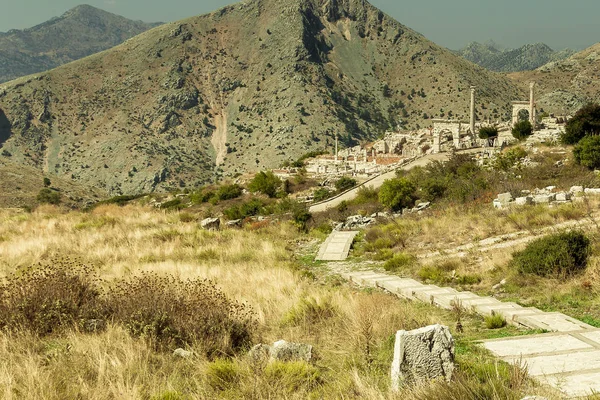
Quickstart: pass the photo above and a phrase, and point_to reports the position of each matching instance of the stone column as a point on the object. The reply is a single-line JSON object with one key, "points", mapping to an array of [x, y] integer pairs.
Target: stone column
{"points": [[532, 104], [336, 147], [472, 120], [437, 148]]}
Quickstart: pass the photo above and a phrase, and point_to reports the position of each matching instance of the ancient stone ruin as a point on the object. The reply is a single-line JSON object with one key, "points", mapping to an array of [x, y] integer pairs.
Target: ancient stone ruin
{"points": [[422, 355]]}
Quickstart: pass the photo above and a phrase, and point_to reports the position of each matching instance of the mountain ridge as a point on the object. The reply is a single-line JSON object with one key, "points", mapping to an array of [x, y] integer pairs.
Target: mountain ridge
{"points": [[237, 90], [79, 32], [527, 57]]}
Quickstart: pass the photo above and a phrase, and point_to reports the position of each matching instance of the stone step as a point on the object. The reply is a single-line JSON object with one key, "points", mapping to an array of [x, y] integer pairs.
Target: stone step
{"points": [[337, 246], [575, 384], [394, 286], [553, 322], [552, 364], [536, 345]]}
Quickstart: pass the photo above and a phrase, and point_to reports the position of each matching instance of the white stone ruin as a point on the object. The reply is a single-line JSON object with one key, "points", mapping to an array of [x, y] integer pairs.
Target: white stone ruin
{"points": [[422, 355]]}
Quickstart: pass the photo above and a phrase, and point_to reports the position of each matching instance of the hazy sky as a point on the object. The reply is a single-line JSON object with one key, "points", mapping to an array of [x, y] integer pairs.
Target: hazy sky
{"points": [[450, 23]]}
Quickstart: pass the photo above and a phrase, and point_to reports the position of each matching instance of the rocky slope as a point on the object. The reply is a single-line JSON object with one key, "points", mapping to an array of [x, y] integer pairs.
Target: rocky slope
{"points": [[82, 31], [565, 86], [240, 89], [528, 57]]}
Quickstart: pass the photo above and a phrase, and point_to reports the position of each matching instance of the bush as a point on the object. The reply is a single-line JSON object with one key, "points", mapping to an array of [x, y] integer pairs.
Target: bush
{"points": [[399, 261], [228, 192], [266, 183], [397, 193], [250, 208], [509, 158], [587, 152], [488, 132], [172, 313], [557, 255], [202, 196], [301, 217], [345, 183], [174, 204], [495, 321], [48, 196], [366, 194], [522, 130], [585, 122], [47, 298], [321, 194]]}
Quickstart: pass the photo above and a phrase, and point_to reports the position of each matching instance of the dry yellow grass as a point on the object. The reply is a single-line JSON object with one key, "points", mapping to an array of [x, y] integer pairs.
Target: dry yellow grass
{"points": [[353, 339]]}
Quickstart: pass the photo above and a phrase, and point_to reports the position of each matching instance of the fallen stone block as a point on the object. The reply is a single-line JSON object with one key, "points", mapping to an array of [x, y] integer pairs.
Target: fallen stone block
{"points": [[576, 189], [563, 196], [281, 351], [523, 201], [543, 198], [211, 224], [505, 198], [422, 355], [592, 191], [182, 353]]}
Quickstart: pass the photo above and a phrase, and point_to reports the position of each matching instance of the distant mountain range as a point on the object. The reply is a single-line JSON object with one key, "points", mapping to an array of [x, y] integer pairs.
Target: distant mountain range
{"points": [[526, 58], [78, 33]]}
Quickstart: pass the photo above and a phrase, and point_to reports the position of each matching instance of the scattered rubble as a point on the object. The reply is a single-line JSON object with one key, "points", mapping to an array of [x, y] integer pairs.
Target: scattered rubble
{"points": [[548, 195]]}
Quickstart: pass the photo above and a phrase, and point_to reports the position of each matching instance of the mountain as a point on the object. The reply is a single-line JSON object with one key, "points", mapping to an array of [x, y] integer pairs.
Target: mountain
{"points": [[82, 31], [565, 86], [527, 57], [238, 90]]}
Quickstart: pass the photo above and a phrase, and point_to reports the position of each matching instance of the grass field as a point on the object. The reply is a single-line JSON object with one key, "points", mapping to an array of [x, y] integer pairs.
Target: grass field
{"points": [[351, 330]]}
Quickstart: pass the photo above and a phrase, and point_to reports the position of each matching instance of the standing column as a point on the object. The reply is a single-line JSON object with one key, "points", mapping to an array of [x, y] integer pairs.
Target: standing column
{"points": [[532, 104], [472, 120], [336, 147]]}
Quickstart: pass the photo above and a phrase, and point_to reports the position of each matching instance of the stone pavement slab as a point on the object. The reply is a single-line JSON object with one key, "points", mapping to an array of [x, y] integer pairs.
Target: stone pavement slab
{"points": [[568, 359], [337, 246]]}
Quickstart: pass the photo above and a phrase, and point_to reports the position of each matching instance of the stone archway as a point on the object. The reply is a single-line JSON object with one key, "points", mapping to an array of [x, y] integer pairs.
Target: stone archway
{"points": [[523, 115], [520, 108]]}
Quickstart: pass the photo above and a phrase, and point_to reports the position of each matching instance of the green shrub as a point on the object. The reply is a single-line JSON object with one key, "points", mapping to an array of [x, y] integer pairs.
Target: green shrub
{"points": [[292, 376], [202, 196], [587, 152], [321, 194], [488, 132], [222, 374], [310, 310], [522, 130], [301, 217], [265, 183], [366, 194], [345, 183], [399, 261], [495, 321], [175, 204], [228, 192], [119, 200], [510, 158], [397, 193], [250, 208], [557, 255], [585, 122], [48, 196]]}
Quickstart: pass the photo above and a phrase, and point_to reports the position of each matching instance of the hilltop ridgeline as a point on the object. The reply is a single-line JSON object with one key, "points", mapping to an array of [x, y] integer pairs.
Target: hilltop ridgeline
{"points": [[238, 90]]}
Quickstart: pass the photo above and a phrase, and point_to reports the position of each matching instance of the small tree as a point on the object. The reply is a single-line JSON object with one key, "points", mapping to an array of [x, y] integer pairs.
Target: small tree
{"points": [[266, 183], [587, 152], [397, 194], [345, 183], [522, 130], [585, 122], [48, 196], [488, 132], [47, 182]]}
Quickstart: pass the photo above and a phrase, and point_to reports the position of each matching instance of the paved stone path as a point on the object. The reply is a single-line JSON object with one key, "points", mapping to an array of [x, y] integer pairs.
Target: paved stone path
{"points": [[568, 358], [337, 246]]}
